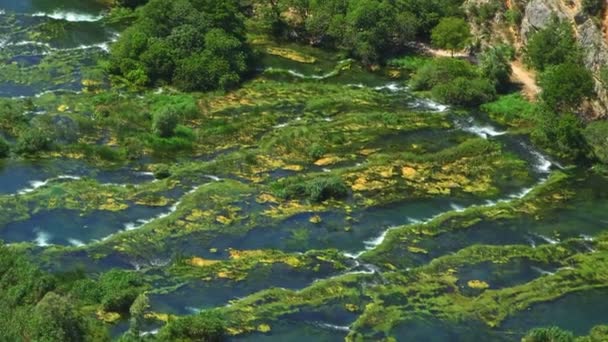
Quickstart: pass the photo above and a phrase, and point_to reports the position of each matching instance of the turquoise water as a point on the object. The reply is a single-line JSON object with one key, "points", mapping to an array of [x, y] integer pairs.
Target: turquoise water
{"points": [[87, 39]]}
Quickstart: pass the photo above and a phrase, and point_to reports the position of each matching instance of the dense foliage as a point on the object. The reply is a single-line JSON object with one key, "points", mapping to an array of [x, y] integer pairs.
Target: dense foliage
{"points": [[451, 34], [555, 44], [370, 30], [37, 306], [193, 44], [455, 81]]}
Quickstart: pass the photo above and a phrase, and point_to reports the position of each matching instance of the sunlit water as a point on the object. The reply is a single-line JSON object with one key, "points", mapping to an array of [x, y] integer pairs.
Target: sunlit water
{"points": [[88, 38]]}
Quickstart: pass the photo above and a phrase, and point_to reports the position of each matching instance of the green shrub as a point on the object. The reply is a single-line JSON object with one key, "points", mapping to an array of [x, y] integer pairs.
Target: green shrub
{"points": [[120, 288], [207, 326], [465, 91], [164, 122], [596, 135], [315, 190], [451, 34], [5, 148], [439, 71], [552, 334], [593, 7], [561, 133], [495, 65], [555, 44], [197, 45], [33, 141], [565, 86], [510, 109]]}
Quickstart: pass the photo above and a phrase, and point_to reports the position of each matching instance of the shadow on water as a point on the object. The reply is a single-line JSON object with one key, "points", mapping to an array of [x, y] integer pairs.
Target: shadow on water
{"points": [[577, 312], [20, 175], [197, 295], [294, 331], [515, 272]]}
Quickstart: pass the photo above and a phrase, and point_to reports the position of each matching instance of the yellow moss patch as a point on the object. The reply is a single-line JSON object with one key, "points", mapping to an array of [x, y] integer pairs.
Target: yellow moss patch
{"points": [[351, 307], [328, 160], [264, 328], [200, 262], [293, 167], [368, 151], [236, 254], [63, 108], [108, 317], [417, 250], [112, 205], [409, 172], [267, 198], [161, 201], [197, 214], [291, 55], [223, 219], [157, 316], [478, 284], [315, 219]]}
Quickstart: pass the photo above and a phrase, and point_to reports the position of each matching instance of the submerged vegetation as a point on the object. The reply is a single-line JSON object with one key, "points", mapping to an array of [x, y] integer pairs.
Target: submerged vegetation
{"points": [[287, 177]]}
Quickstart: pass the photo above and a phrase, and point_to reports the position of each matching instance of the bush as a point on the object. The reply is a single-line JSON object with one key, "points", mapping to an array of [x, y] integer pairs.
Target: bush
{"points": [[33, 141], [465, 91], [208, 326], [593, 7], [5, 148], [552, 45], [564, 86], [164, 122], [510, 109], [560, 133], [452, 34], [495, 65], [120, 288], [596, 135], [197, 45], [439, 71], [552, 334], [315, 190]]}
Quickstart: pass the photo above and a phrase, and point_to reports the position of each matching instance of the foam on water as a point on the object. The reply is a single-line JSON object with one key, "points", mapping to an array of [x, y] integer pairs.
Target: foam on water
{"points": [[392, 87], [457, 208], [547, 239], [75, 242], [541, 271], [432, 105], [42, 238], [34, 185], [483, 131], [150, 332], [69, 16], [333, 327]]}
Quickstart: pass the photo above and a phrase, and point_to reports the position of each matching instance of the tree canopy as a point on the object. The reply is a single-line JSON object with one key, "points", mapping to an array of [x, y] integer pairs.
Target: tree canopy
{"points": [[193, 44]]}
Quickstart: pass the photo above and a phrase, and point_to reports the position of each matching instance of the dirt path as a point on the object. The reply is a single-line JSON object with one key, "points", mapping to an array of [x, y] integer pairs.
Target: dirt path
{"points": [[520, 75], [526, 78]]}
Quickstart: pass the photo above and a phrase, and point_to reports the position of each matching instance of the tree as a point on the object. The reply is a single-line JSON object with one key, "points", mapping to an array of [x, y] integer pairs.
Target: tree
{"points": [[465, 91], [5, 148], [552, 45], [495, 65], [451, 33], [33, 140], [196, 44], [137, 311], [593, 7], [164, 122], [552, 334], [207, 326], [55, 319], [596, 134], [564, 86]]}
